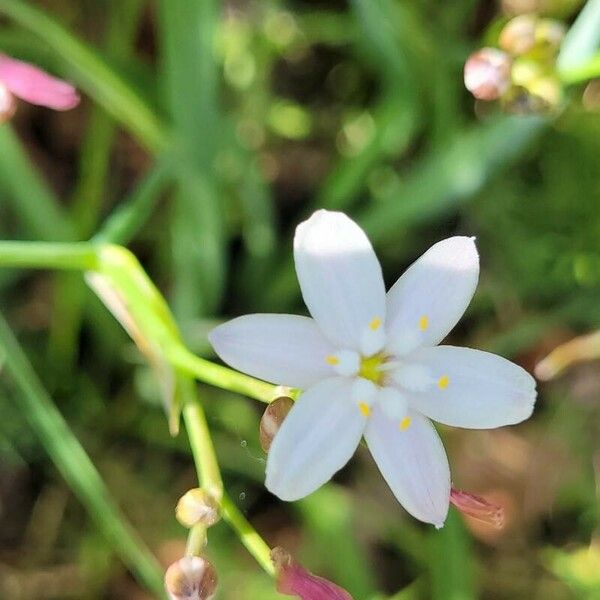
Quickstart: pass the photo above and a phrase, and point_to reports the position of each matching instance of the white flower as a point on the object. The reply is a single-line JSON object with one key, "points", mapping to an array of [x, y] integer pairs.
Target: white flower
{"points": [[370, 365]]}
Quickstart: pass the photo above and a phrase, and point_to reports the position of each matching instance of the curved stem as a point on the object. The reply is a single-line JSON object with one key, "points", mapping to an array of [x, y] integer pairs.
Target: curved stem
{"points": [[222, 377]]}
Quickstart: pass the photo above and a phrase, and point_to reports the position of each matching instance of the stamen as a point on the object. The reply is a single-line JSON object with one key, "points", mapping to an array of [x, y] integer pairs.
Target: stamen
{"points": [[332, 360], [375, 324], [364, 408], [405, 423], [424, 323], [443, 382]]}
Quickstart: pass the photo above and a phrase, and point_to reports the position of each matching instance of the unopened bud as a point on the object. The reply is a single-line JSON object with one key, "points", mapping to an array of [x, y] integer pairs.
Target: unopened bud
{"points": [[295, 580], [197, 507], [487, 73], [519, 35], [8, 104], [272, 419], [550, 33], [477, 507], [191, 578]]}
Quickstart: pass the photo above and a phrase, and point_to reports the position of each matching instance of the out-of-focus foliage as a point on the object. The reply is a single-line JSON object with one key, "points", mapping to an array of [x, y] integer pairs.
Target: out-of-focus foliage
{"points": [[258, 112]]}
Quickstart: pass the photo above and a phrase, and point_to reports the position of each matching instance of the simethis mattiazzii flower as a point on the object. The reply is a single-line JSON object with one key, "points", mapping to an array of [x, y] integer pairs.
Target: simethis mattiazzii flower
{"points": [[27, 82], [191, 578], [370, 365], [295, 580]]}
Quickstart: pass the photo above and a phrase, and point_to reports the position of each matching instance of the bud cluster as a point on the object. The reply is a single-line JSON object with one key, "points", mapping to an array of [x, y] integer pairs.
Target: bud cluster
{"points": [[521, 74]]}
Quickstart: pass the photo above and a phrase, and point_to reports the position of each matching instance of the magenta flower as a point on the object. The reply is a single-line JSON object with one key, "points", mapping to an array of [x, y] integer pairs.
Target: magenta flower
{"points": [[22, 80], [295, 580]]}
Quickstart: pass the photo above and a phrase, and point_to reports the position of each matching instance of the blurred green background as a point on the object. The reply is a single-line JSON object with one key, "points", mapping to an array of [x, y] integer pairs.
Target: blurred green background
{"points": [[229, 122]]}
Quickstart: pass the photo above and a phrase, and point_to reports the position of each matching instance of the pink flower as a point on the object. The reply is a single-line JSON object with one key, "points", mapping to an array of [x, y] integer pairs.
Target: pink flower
{"points": [[295, 580], [477, 508], [33, 85]]}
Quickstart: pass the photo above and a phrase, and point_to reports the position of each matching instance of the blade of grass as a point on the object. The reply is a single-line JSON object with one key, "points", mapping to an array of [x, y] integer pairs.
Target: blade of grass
{"points": [[93, 74], [452, 562], [70, 292], [187, 35], [75, 465], [33, 202]]}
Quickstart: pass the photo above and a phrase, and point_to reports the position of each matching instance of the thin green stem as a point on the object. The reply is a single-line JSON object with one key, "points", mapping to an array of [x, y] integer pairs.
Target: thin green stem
{"points": [[248, 535], [210, 478], [200, 440], [218, 376], [75, 465], [47, 255]]}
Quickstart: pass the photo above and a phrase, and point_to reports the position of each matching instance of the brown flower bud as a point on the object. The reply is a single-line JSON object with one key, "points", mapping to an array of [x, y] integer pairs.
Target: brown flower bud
{"points": [[197, 506], [295, 580], [191, 578], [8, 104], [272, 419], [487, 73], [477, 507], [518, 35]]}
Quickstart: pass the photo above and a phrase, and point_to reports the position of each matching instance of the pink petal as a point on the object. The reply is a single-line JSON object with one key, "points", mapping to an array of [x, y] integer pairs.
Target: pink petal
{"points": [[477, 508], [35, 86], [295, 580]]}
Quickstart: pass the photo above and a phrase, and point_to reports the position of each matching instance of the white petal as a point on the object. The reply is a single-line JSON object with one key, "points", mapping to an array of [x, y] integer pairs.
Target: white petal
{"points": [[283, 349], [316, 440], [413, 462], [432, 295], [341, 281], [480, 390]]}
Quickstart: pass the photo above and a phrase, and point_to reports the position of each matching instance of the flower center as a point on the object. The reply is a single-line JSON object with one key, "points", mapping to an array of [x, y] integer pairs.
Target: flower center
{"points": [[370, 368]]}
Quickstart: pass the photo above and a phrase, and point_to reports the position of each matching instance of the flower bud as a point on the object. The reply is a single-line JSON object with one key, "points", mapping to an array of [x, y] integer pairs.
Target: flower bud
{"points": [[8, 104], [197, 506], [295, 580], [478, 508], [487, 73], [191, 578], [550, 34], [272, 419], [519, 35]]}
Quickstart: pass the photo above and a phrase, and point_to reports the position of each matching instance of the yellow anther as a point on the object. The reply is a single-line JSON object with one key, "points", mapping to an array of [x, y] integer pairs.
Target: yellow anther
{"points": [[332, 360], [375, 324], [405, 423], [365, 409], [424, 323], [443, 382]]}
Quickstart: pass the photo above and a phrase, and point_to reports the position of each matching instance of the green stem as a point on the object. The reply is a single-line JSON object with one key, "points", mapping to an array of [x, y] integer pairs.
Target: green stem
{"points": [[247, 534], [210, 478], [200, 441], [218, 376], [75, 465], [80, 256]]}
